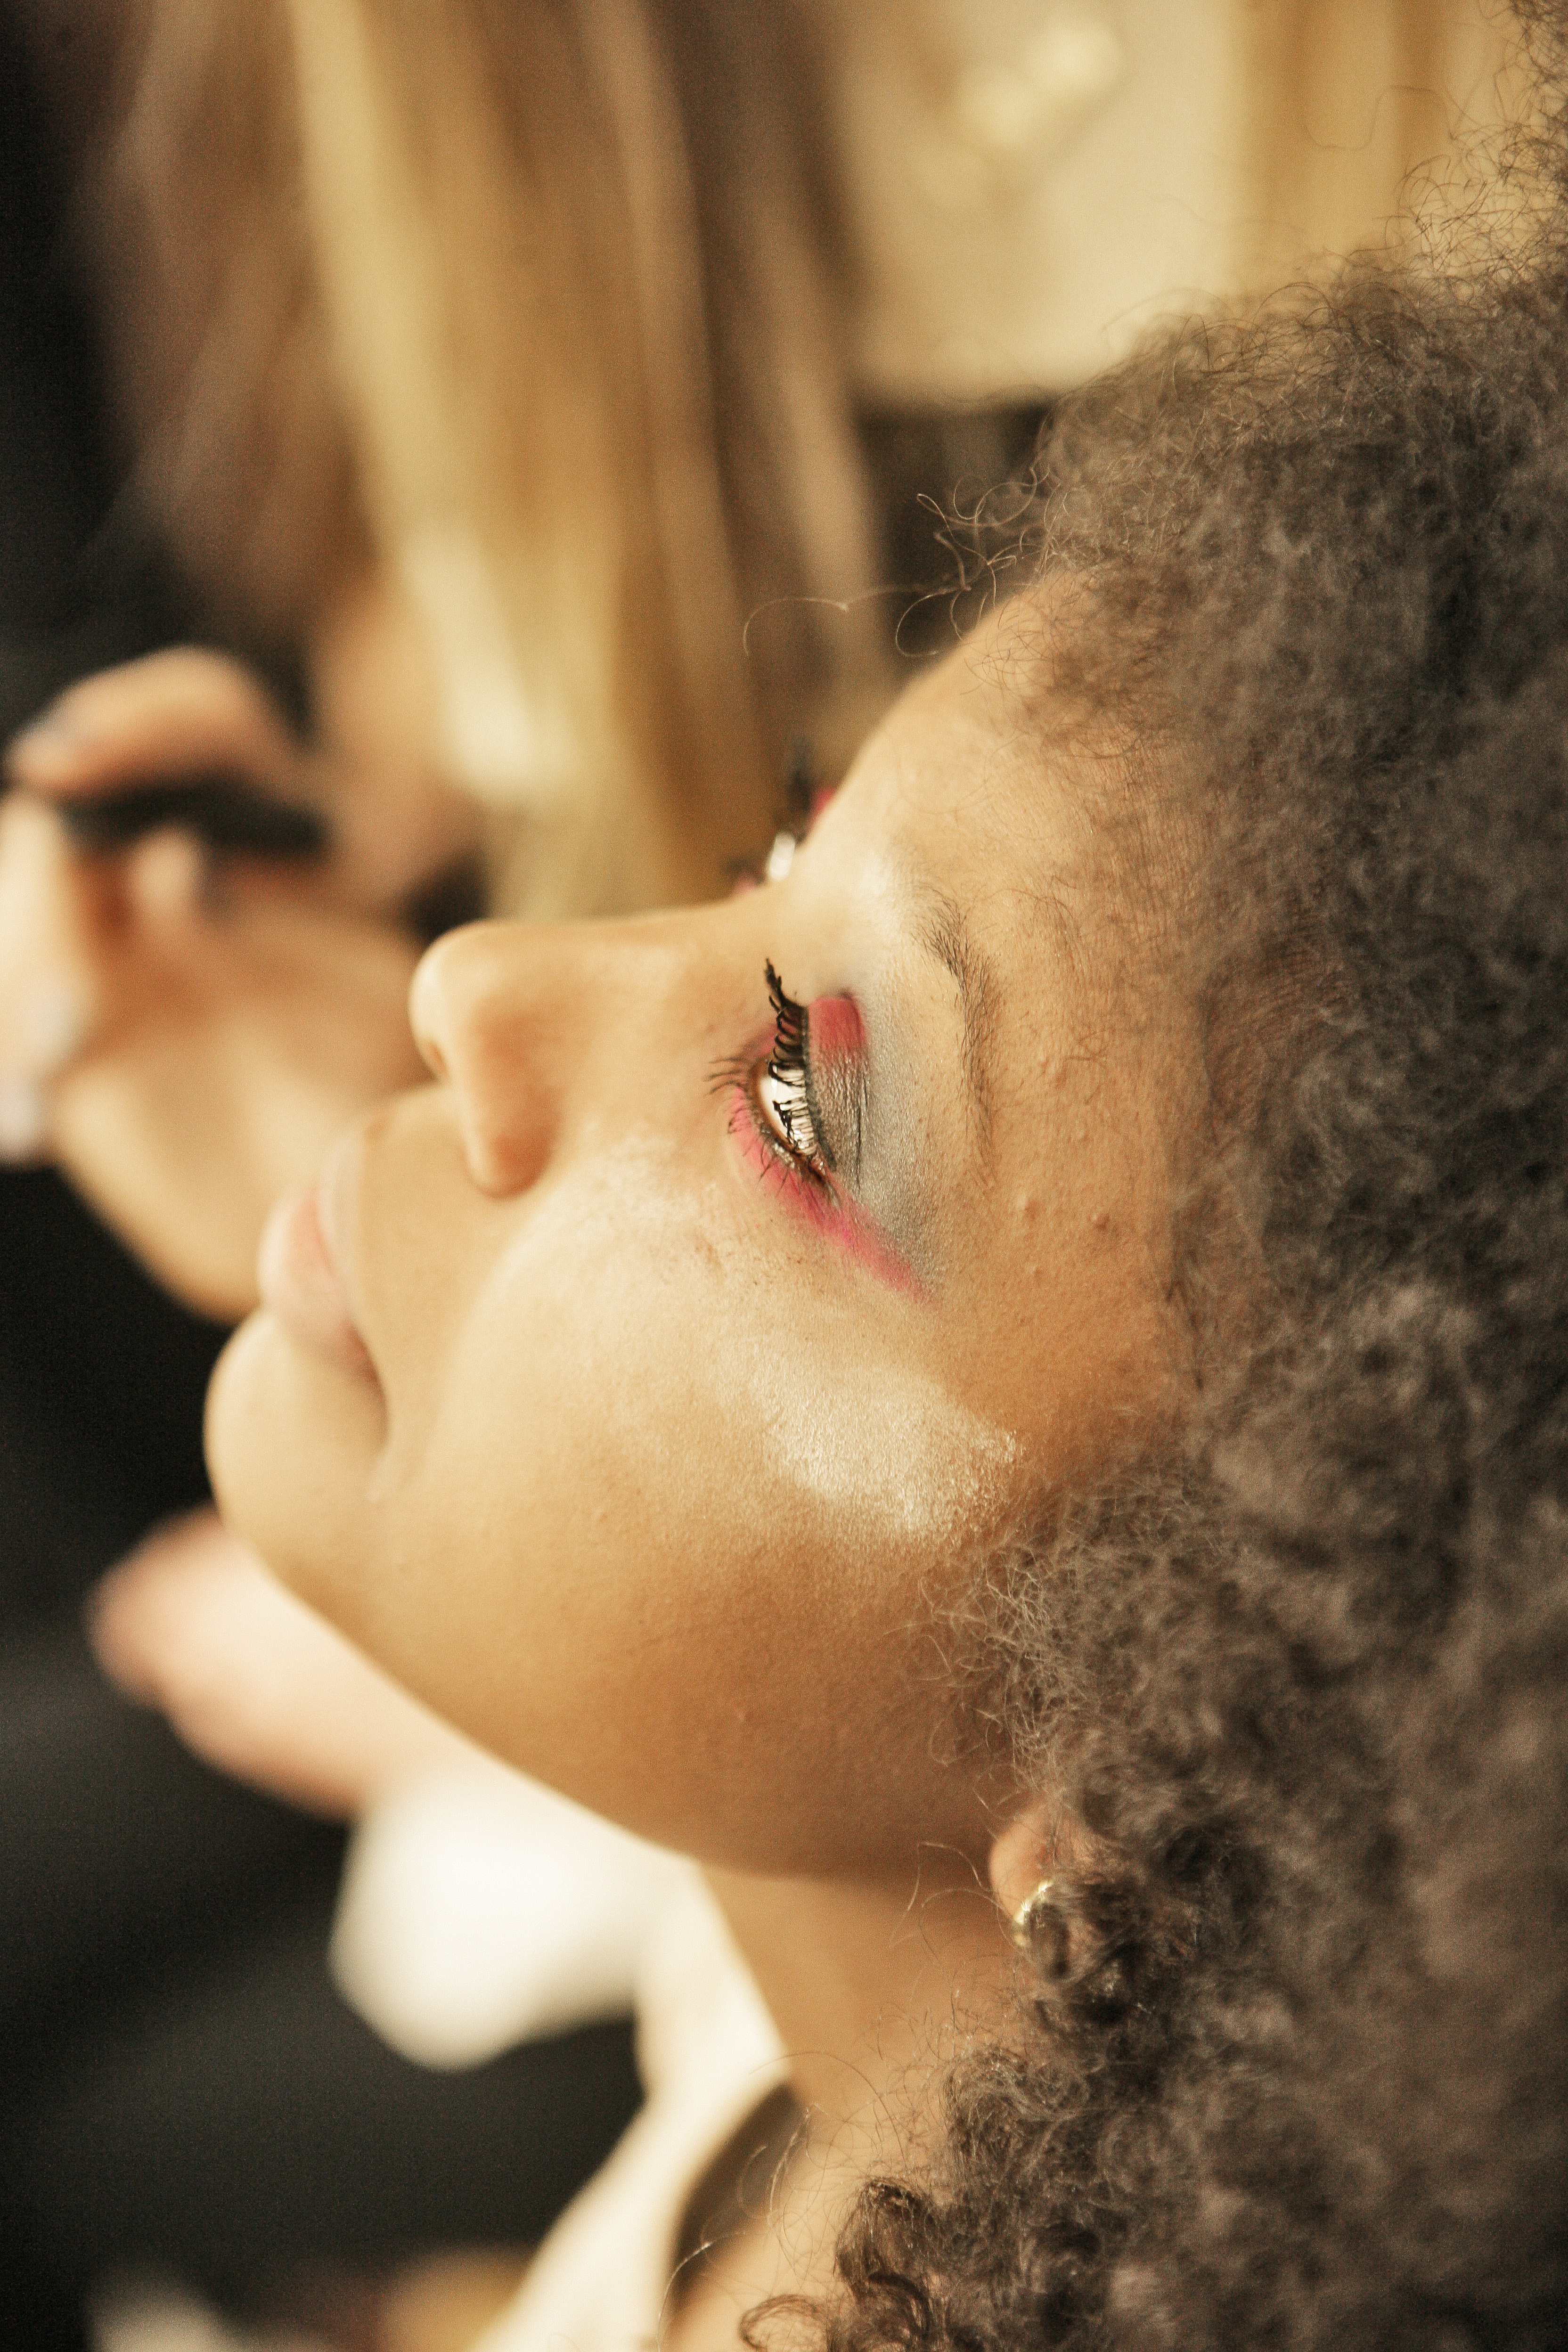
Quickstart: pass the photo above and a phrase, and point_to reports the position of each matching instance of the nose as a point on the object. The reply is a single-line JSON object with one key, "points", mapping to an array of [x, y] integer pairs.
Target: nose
{"points": [[500, 1013]]}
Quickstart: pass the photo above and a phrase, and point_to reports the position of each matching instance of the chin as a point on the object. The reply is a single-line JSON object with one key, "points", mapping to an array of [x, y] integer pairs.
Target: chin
{"points": [[291, 1440]]}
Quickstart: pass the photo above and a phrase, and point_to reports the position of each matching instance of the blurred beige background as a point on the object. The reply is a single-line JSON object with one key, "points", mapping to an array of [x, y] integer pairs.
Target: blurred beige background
{"points": [[1032, 181]]}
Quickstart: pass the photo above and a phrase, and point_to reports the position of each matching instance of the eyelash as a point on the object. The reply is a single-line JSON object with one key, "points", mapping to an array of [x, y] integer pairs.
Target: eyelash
{"points": [[783, 1116], [787, 1108]]}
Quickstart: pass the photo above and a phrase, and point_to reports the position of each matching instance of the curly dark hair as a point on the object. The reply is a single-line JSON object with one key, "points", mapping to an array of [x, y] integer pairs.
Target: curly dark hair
{"points": [[1296, 2066]]}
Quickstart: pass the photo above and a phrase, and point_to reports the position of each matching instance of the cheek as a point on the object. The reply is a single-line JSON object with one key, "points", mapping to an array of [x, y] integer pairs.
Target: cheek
{"points": [[666, 1544], [1075, 1338]]}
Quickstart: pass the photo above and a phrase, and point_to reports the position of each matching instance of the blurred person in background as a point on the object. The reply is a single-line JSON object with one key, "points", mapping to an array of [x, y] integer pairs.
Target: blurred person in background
{"points": [[534, 594]]}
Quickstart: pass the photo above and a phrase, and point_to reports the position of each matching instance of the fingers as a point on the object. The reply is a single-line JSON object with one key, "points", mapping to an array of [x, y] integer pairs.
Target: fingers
{"points": [[181, 712], [192, 1623], [185, 717], [50, 1000], [187, 714], [84, 947], [165, 880], [66, 927], [143, 1615]]}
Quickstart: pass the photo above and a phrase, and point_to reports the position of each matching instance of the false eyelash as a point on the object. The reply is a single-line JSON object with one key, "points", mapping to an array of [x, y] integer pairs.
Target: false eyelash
{"points": [[788, 1056], [790, 1070], [733, 1071], [787, 1060]]}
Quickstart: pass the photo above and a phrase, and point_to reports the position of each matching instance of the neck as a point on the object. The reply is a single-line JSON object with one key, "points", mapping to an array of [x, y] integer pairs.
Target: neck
{"points": [[872, 1983]]}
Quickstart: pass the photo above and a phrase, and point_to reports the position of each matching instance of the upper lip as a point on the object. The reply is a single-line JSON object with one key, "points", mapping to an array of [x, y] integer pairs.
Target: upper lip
{"points": [[334, 1210]]}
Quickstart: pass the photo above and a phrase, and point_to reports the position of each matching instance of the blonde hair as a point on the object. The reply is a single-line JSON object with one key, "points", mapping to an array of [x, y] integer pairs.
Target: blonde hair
{"points": [[538, 316]]}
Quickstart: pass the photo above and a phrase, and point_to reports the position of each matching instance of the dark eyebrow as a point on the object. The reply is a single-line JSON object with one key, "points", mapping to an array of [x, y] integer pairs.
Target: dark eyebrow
{"points": [[945, 934]]}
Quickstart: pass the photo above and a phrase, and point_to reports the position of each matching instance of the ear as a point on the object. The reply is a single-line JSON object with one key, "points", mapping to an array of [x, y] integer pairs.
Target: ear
{"points": [[1031, 1845]]}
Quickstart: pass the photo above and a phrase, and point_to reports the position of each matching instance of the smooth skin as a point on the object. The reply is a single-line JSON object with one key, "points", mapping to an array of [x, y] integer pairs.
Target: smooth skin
{"points": [[658, 1471]]}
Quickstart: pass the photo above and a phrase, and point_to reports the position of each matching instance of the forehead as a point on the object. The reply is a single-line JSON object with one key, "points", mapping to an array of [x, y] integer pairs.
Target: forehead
{"points": [[963, 765], [989, 812]]}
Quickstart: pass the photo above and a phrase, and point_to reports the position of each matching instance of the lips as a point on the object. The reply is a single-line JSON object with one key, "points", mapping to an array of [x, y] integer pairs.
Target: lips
{"points": [[300, 1281]]}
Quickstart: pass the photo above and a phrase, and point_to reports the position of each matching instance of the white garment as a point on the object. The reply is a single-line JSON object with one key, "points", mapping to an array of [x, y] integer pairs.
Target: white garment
{"points": [[709, 2055], [479, 1909]]}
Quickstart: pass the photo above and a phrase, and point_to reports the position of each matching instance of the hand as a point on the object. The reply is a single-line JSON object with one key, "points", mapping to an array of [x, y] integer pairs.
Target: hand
{"points": [[184, 1037], [256, 1683]]}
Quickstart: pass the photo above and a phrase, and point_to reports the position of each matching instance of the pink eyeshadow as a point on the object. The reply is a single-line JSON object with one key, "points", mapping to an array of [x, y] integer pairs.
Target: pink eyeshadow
{"points": [[828, 1212], [837, 1032]]}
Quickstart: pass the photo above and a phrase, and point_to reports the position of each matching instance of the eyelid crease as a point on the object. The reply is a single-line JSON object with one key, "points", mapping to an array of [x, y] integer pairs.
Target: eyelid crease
{"points": [[819, 1123]]}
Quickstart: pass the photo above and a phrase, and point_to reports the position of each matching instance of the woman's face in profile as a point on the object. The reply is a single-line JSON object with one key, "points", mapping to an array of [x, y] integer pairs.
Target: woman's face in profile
{"points": [[668, 1359]]}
